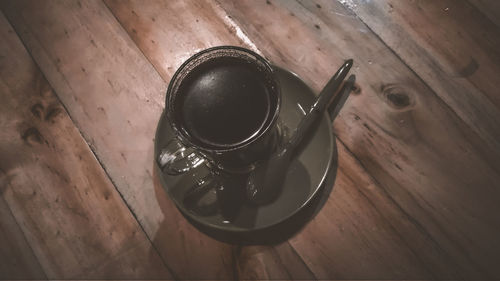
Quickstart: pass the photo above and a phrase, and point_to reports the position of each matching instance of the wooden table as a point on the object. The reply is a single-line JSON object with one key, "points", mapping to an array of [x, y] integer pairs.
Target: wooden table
{"points": [[417, 191]]}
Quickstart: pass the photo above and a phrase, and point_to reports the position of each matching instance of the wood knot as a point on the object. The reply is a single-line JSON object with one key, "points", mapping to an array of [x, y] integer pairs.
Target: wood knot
{"points": [[468, 69], [37, 110], [356, 89], [52, 114], [32, 135], [397, 97], [460, 68]]}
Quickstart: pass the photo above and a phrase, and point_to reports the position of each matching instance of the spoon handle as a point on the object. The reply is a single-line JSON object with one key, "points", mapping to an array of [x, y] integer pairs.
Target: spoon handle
{"points": [[320, 105], [340, 99], [331, 87]]}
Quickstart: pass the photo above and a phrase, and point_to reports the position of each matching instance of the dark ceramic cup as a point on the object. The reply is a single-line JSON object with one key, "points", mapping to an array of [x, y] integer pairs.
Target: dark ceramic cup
{"points": [[223, 104]]}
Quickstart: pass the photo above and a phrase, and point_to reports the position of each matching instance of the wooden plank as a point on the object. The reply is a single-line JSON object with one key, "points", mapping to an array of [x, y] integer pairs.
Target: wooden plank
{"points": [[116, 97], [66, 206], [393, 257], [490, 8], [437, 170], [452, 47], [170, 32], [17, 260]]}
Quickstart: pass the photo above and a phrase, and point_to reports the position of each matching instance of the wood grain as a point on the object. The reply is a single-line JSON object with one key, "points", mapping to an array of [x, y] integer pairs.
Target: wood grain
{"points": [[17, 260], [266, 262], [437, 170], [116, 97], [490, 8], [63, 201], [453, 48], [416, 194], [169, 32]]}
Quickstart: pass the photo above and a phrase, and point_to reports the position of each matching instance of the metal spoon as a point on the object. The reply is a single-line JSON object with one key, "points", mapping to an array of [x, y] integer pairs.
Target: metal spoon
{"points": [[265, 181]]}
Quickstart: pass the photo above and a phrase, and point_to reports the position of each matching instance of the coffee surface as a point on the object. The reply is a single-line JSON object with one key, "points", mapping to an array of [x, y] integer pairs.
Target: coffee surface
{"points": [[224, 102]]}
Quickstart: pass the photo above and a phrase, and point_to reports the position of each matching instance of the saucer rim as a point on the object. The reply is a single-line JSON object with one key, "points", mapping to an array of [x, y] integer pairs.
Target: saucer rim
{"points": [[237, 229]]}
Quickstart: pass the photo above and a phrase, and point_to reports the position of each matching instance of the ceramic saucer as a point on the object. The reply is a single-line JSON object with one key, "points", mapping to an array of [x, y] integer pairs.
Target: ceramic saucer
{"points": [[305, 176]]}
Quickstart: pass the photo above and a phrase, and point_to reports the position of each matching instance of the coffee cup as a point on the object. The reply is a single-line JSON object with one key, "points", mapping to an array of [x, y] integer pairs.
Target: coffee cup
{"points": [[223, 105]]}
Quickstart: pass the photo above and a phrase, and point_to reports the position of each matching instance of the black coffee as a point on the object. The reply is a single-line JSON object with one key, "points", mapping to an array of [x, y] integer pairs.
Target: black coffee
{"points": [[224, 102]]}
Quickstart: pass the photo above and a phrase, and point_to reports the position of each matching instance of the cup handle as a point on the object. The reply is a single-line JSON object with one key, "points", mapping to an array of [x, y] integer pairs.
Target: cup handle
{"points": [[175, 158]]}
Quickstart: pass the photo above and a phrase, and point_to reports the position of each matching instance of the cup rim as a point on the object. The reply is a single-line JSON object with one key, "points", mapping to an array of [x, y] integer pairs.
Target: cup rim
{"points": [[269, 123]]}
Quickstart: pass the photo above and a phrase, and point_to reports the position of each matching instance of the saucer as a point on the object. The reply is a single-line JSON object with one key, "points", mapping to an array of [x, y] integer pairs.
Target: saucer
{"points": [[305, 176]]}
